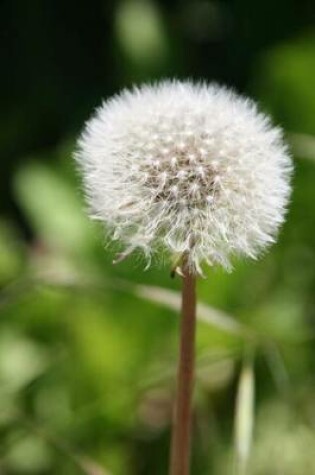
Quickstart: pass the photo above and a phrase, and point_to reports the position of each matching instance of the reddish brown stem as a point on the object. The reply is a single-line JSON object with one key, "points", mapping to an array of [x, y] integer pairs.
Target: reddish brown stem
{"points": [[181, 434]]}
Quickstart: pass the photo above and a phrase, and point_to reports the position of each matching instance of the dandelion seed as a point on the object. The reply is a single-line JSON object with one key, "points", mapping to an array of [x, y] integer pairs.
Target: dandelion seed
{"points": [[167, 147]]}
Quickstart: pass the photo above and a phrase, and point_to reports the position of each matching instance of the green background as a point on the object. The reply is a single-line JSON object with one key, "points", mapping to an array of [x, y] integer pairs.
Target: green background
{"points": [[87, 349]]}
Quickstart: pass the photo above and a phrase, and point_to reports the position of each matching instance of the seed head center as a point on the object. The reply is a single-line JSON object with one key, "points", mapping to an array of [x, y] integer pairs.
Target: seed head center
{"points": [[182, 175]]}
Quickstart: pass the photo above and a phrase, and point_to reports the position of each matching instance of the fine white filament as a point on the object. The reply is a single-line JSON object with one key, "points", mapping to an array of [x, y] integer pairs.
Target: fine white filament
{"points": [[191, 168]]}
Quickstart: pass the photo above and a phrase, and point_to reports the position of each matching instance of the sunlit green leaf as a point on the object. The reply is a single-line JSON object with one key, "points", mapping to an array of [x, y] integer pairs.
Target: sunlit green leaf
{"points": [[54, 209]]}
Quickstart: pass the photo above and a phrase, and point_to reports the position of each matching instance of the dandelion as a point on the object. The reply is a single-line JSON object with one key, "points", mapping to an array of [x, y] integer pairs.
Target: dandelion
{"points": [[192, 169], [195, 170]]}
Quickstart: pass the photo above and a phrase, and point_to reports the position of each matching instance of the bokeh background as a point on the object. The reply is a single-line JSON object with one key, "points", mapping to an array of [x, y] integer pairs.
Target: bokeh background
{"points": [[87, 349]]}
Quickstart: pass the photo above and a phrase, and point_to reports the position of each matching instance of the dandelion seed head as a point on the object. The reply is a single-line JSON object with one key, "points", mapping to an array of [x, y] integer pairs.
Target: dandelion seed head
{"points": [[193, 167]]}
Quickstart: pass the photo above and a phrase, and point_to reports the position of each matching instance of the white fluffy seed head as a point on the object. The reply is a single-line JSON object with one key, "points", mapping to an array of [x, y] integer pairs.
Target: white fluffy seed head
{"points": [[193, 167]]}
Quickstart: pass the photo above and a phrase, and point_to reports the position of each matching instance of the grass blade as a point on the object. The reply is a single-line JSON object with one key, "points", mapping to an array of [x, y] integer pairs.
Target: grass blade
{"points": [[244, 417]]}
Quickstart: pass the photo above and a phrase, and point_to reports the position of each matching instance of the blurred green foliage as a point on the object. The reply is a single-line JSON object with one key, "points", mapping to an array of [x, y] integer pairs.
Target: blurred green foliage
{"points": [[87, 349]]}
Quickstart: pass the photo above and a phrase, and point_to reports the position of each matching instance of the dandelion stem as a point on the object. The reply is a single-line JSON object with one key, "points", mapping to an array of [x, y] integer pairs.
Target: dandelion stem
{"points": [[181, 433]]}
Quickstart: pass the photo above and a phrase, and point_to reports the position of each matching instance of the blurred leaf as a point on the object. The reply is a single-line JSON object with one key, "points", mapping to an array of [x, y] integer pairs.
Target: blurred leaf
{"points": [[244, 416], [28, 454], [38, 435], [285, 442], [11, 255], [90, 467], [140, 32], [7, 408], [54, 209], [286, 85], [215, 375], [277, 367], [21, 360], [207, 314], [281, 317], [303, 145]]}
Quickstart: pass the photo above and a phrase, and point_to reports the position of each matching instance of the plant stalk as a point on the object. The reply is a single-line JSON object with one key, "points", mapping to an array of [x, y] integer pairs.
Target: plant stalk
{"points": [[182, 418]]}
